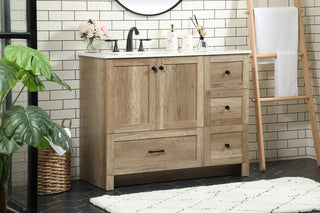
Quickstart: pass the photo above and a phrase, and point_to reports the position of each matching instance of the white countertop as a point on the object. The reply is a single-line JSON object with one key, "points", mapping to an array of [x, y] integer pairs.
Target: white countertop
{"points": [[163, 53]]}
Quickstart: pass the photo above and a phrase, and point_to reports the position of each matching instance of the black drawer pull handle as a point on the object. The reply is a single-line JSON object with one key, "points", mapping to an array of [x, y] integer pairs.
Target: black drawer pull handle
{"points": [[227, 145], [227, 72], [227, 107], [154, 68], [156, 151], [161, 67]]}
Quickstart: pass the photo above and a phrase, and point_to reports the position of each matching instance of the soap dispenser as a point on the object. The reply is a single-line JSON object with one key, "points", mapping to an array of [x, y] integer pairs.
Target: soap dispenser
{"points": [[172, 39]]}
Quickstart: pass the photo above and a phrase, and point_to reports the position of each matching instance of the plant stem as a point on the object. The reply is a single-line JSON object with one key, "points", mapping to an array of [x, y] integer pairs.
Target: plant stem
{"points": [[4, 185], [3, 197], [15, 100]]}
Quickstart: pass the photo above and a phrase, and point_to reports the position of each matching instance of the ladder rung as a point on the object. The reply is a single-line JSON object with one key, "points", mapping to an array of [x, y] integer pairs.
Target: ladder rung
{"points": [[284, 98], [273, 55]]}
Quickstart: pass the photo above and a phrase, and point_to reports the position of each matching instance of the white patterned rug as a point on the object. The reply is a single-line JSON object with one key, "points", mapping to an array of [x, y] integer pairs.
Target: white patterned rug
{"points": [[290, 194]]}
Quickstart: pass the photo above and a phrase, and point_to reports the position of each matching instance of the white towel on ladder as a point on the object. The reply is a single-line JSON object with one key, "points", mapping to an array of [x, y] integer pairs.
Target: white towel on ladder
{"points": [[277, 32], [286, 74]]}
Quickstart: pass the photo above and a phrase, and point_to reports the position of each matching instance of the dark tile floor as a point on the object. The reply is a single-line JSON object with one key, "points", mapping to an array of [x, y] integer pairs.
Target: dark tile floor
{"points": [[77, 199]]}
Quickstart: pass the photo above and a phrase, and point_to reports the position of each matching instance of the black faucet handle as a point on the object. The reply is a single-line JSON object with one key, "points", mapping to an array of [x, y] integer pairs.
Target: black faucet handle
{"points": [[115, 47], [141, 45]]}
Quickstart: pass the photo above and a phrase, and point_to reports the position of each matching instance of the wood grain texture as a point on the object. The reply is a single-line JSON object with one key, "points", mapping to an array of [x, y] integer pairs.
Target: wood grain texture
{"points": [[223, 145], [179, 92], [131, 95], [167, 153], [92, 127], [226, 107], [139, 110]]}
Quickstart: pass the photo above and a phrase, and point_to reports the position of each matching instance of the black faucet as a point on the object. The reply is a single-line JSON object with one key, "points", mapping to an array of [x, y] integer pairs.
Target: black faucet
{"points": [[129, 39]]}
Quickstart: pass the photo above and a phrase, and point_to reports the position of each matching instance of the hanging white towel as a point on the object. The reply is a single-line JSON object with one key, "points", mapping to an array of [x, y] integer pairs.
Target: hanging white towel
{"points": [[276, 32], [286, 75]]}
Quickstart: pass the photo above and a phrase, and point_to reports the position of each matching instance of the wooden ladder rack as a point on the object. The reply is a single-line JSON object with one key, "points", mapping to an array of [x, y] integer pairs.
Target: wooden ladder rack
{"points": [[256, 89]]}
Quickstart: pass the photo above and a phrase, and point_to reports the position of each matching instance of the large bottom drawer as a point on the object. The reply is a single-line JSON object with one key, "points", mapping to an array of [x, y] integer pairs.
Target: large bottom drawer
{"points": [[156, 154]]}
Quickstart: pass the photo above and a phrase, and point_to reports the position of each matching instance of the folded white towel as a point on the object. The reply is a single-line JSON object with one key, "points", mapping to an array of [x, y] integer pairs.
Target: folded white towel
{"points": [[276, 32]]}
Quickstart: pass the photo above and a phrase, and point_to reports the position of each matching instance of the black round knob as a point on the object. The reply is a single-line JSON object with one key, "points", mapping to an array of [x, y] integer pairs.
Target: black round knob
{"points": [[161, 67], [227, 145], [227, 72], [227, 107], [154, 68]]}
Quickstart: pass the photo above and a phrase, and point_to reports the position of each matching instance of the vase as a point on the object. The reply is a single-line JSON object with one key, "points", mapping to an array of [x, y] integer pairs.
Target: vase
{"points": [[90, 47], [202, 45]]}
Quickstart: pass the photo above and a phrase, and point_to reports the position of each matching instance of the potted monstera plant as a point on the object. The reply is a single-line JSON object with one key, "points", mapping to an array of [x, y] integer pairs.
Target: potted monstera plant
{"points": [[29, 125]]}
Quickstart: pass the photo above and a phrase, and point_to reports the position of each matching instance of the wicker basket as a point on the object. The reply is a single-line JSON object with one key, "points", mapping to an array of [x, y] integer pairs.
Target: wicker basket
{"points": [[54, 171]]}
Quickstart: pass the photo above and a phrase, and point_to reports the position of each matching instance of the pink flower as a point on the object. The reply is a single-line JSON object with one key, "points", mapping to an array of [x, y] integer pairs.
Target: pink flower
{"points": [[104, 29]]}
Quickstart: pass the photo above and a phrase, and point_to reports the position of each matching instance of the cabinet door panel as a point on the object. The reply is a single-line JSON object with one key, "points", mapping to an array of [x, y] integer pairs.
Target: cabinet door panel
{"points": [[131, 95], [180, 85]]}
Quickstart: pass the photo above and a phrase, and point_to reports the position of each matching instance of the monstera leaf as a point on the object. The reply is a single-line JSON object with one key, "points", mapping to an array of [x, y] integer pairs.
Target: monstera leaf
{"points": [[7, 77], [55, 78], [29, 59], [33, 126], [59, 137], [7, 146]]}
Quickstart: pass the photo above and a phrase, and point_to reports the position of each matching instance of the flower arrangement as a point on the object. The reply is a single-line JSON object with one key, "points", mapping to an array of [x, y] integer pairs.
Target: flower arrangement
{"points": [[200, 28], [202, 33], [90, 31]]}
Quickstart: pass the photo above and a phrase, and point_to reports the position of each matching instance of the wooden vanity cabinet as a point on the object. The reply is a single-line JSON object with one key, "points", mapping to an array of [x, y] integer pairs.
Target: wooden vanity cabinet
{"points": [[162, 113]]}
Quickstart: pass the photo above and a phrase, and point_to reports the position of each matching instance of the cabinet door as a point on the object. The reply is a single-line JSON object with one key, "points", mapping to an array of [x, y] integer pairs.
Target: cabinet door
{"points": [[131, 95], [180, 89]]}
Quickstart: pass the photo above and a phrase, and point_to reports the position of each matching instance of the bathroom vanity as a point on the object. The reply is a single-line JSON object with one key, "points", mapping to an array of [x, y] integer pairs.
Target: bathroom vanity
{"points": [[160, 111]]}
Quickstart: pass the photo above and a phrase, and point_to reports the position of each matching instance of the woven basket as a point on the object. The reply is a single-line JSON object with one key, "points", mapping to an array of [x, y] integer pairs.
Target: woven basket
{"points": [[54, 171]]}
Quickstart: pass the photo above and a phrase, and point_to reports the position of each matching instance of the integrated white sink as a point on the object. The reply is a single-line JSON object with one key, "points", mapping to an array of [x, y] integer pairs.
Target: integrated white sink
{"points": [[131, 53]]}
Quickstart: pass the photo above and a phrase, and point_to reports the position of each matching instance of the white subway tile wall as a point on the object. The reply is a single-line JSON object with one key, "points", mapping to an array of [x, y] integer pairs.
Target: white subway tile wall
{"points": [[286, 127]]}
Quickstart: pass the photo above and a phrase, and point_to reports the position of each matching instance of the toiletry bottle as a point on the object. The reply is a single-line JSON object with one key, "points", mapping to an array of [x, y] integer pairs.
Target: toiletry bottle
{"points": [[172, 39]]}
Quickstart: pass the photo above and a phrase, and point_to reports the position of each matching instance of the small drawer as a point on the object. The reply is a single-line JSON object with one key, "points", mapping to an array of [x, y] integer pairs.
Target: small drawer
{"points": [[226, 74], [222, 148], [155, 154], [225, 107]]}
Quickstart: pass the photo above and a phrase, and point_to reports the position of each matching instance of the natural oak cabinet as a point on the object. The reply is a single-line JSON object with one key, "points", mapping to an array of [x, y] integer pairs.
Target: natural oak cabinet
{"points": [[150, 114], [154, 94]]}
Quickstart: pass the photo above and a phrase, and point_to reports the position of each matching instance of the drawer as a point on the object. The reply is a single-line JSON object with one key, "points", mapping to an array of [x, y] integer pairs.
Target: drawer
{"points": [[226, 72], [225, 147], [223, 74], [156, 154], [226, 107]]}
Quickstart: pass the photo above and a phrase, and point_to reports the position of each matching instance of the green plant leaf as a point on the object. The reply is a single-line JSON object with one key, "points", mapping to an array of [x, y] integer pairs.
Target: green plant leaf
{"points": [[43, 144], [28, 125], [33, 126], [7, 77], [32, 81], [29, 59], [57, 79], [7, 146], [59, 137]]}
